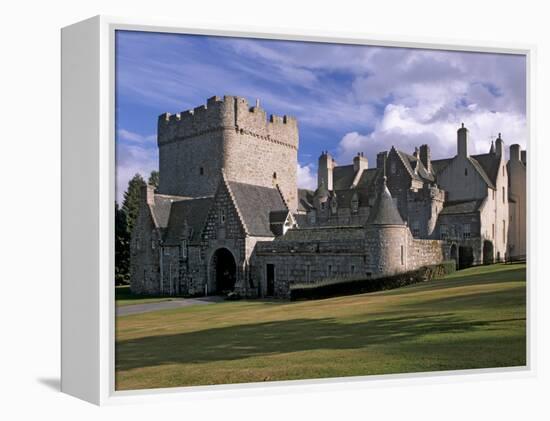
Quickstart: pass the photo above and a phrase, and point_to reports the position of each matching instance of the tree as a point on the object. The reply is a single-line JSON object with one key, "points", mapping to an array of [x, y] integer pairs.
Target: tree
{"points": [[132, 196], [122, 247], [154, 179]]}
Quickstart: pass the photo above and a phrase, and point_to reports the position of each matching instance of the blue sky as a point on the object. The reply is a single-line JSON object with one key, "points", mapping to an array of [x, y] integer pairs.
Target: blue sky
{"points": [[347, 98]]}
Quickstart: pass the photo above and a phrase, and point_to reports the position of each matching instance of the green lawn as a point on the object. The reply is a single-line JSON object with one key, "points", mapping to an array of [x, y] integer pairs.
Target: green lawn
{"points": [[123, 297], [474, 318]]}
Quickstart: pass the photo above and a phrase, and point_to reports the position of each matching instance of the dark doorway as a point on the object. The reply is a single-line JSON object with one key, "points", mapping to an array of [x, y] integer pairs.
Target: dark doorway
{"points": [[224, 270], [488, 252], [270, 276], [454, 255], [465, 257]]}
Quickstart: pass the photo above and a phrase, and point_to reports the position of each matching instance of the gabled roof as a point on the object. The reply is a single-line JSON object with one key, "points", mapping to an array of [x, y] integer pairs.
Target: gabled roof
{"points": [[255, 204], [490, 163], [187, 219], [384, 211], [461, 207], [342, 177], [411, 162], [439, 165], [161, 208], [305, 200], [481, 171], [344, 197], [277, 221]]}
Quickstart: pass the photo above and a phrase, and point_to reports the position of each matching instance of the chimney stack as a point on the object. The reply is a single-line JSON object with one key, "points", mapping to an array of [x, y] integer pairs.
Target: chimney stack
{"points": [[360, 163], [515, 152], [148, 194], [426, 157], [524, 157], [499, 145], [324, 171], [462, 141], [381, 159]]}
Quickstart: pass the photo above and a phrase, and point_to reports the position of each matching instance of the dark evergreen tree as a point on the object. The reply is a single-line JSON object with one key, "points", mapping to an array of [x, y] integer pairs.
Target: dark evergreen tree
{"points": [[122, 247], [154, 179], [132, 196]]}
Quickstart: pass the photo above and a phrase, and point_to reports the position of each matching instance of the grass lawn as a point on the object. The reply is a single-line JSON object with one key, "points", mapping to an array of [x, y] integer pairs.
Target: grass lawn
{"points": [[123, 297], [474, 318]]}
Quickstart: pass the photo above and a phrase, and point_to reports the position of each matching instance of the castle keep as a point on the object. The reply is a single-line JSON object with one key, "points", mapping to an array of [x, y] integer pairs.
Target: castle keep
{"points": [[228, 215]]}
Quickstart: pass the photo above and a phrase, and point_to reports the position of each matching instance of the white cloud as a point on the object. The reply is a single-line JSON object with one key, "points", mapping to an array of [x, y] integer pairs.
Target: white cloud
{"points": [[307, 179], [401, 127], [131, 160], [127, 135]]}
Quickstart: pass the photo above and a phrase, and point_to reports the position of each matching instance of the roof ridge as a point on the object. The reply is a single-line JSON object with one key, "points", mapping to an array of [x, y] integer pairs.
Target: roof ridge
{"points": [[235, 204]]}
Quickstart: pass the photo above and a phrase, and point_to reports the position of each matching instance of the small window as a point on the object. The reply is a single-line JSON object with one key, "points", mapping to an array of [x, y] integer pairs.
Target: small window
{"points": [[402, 256], [393, 168], [494, 192], [466, 171], [153, 244], [352, 269], [503, 195], [330, 270], [323, 204], [443, 232], [466, 233], [201, 170], [354, 204], [504, 230], [493, 231], [415, 228], [222, 216], [184, 249], [274, 176]]}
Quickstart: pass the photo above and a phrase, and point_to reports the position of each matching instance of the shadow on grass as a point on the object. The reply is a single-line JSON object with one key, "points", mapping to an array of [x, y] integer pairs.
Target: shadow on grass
{"points": [[465, 280], [250, 340]]}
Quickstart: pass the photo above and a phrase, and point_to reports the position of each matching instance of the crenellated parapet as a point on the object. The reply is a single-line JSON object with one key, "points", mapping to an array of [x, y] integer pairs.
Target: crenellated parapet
{"points": [[228, 113]]}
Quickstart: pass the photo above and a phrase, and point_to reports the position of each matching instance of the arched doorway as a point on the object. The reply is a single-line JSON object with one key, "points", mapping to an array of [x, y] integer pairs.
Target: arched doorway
{"points": [[465, 257], [223, 271], [488, 252], [454, 254]]}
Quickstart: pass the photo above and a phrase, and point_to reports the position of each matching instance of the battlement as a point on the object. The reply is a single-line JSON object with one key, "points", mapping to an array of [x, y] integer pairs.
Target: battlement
{"points": [[227, 113]]}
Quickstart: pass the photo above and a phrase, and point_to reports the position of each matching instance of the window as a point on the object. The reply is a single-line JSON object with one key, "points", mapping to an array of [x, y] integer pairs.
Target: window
{"points": [[184, 249], [323, 204], [402, 256], [502, 170], [222, 216], [311, 216], [330, 270], [493, 231], [153, 244], [352, 269], [466, 171], [274, 176], [393, 168], [415, 228], [333, 206], [494, 192], [466, 233], [443, 232], [201, 170], [504, 230], [504, 195], [354, 203]]}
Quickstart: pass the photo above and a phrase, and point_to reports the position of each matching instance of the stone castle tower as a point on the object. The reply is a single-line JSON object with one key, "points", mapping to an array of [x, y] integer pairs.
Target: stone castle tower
{"points": [[227, 135]]}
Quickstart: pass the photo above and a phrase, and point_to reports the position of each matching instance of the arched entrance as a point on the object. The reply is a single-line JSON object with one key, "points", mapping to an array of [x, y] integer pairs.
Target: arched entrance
{"points": [[465, 257], [454, 254], [223, 271], [488, 252]]}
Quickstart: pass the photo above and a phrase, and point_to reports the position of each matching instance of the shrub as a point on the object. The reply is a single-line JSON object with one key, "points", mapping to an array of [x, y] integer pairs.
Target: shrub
{"points": [[337, 286]]}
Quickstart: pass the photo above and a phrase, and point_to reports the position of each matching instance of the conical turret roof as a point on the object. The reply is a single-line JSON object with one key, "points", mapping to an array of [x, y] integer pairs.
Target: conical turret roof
{"points": [[384, 211]]}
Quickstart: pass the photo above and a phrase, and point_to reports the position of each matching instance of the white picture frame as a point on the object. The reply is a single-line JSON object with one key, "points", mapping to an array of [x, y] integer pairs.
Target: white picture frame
{"points": [[88, 194]]}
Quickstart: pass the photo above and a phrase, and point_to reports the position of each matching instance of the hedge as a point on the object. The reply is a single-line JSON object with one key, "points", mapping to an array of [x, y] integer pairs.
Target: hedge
{"points": [[334, 287]]}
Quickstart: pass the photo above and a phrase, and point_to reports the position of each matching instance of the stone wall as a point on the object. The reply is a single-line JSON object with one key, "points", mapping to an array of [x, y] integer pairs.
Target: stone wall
{"points": [[228, 134]]}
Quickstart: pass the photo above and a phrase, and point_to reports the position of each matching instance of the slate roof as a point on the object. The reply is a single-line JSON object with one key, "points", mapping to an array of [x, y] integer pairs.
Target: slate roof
{"points": [[490, 164], [305, 200], [342, 177], [439, 165], [255, 204], [384, 211], [461, 207], [161, 208], [277, 220], [187, 215], [328, 233], [411, 162]]}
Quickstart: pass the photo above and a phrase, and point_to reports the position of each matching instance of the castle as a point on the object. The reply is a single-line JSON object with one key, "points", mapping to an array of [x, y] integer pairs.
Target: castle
{"points": [[227, 214]]}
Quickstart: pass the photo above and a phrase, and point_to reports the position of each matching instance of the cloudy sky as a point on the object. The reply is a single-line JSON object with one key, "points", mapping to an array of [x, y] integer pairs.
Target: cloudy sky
{"points": [[347, 98]]}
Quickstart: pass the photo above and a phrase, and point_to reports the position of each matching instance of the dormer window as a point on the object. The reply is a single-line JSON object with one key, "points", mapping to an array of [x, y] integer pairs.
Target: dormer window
{"points": [[355, 203], [333, 206]]}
